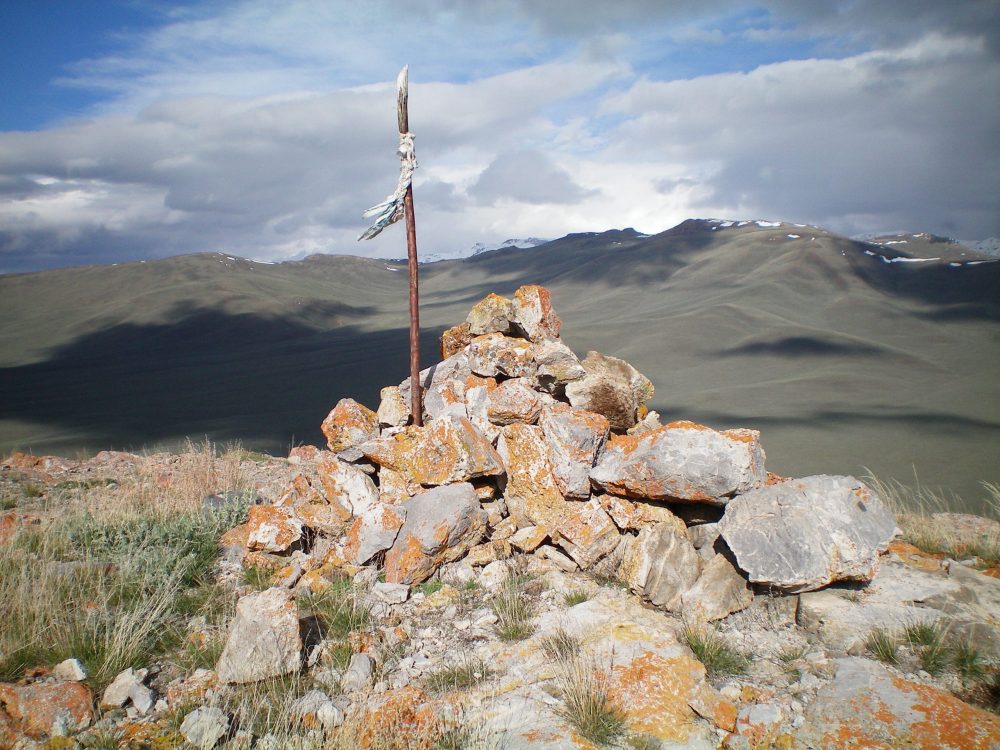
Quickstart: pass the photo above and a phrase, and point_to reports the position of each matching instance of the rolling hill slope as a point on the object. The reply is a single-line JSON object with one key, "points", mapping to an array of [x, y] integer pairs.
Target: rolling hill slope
{"points": [[843, 358]]}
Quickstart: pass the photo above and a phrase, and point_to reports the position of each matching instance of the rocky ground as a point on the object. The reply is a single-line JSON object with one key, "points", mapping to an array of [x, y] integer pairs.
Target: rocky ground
{"points": [[541, 565]]}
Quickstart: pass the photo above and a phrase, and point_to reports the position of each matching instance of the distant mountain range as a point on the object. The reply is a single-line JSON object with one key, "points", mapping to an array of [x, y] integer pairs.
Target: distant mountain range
{"points": [[846, 354]]}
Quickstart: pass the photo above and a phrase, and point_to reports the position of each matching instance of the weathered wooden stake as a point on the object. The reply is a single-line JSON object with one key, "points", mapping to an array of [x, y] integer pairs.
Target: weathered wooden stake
{"points": [[416, 396]]}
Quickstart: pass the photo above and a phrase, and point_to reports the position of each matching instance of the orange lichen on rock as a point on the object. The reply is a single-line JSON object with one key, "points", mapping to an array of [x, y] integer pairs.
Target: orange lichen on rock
{"points": [[36, 708], [455, 339], [349, 424], [914, 556]]}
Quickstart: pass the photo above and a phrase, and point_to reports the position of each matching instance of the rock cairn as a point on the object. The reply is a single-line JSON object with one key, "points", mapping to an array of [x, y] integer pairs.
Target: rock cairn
{"points": [[528, 449]]}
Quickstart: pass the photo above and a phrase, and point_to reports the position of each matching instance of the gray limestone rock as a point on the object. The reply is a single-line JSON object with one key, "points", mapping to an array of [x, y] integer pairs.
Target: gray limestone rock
{"points": [[801, 534], [611, 387], [263, 639], [441, 525], [660, 564], [359, 673], [719, 591], [682, 461], [204, 727], [573, 438]]}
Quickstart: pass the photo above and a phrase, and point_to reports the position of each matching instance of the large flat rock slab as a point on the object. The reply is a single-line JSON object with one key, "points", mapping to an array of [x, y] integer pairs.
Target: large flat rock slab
{"points": [[682, 461], [865, 706], [802, 534]]}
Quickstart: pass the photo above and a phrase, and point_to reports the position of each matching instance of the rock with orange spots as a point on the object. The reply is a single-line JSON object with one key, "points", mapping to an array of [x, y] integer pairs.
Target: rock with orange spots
{"points": [[801, 534], [13, 521], [455, 367], [395, 487], [441, 525], [393, 411], [349, 424], [611, 387], [345, 485], [445, 399], [867, 707], [660, 564], [573, 438], [492, 314], [495, 354], [681, 461], [557, 365], [47, 708], [532, 494], [529, 538], [263, 639], [455, 339], [719, 591], [513, 401], [757, 727], [303, 454], [915, 557], [533, 313], [586, 533], [491, 551], [444, 451], [373, 530], [272, 528], [477, 401], [635, 516]]}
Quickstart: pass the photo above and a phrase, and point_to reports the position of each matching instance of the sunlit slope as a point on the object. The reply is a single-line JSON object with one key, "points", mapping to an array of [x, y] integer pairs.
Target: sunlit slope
{"points": [[842, 359]]}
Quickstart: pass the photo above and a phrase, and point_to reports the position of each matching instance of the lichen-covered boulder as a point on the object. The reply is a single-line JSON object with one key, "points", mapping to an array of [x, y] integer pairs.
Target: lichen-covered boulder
{"points": [[47, 708], [495, 354], [513, 401], [586, 533], [682, 461], [392, 410], [865, 706], [455, 339], [492, 314], [533, 313], [349, 424], [611, 387], [801, 534], [556, 364], [719, 591], [441, 525], [573, 438], [532, 494], [272, 528], [446, 450]]}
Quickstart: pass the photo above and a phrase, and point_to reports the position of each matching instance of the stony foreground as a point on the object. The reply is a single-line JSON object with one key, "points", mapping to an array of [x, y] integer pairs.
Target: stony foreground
{"points": [[544, 536]]}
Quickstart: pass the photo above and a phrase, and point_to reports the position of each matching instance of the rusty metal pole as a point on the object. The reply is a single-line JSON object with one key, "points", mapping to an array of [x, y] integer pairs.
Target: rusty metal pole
{"points": [[416, 396]]}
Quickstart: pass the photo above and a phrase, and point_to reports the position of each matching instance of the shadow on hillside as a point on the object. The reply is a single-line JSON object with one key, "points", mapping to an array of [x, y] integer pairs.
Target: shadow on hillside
{"points": [[800, 346], [267, 381]]}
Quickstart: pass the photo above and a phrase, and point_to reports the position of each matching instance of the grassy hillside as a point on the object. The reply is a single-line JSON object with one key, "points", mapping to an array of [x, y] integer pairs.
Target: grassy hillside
{"points": [[842, 359]]}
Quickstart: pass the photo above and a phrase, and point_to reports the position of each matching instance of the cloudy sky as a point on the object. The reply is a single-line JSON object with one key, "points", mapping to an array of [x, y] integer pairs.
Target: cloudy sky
{"points": [[134, 129]]}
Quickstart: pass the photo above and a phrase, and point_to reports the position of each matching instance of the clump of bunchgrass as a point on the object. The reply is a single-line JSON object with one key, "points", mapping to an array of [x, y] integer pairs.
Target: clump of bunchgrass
{"points": [[968, 662], [711, 649], [560, 645], [882, 644], [922, 633], [577, 596], [340, 609], [514, 610], [461, 675], [588, 705], [258, 577]]}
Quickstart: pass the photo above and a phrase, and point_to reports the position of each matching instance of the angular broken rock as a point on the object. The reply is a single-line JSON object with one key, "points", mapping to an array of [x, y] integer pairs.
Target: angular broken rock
{"points": [[611, 387], [660, 565], [533, 313], [374, 529], [455, 339], [392, 410], [46, 708], [557, 364], [349, 424], [513, 401], [204, 727], [573, 438], [447, 450], [532, 494], [263, 639], [634, 516], [495, 354], [455, 367], [719, 591], [441, 525], [802, 534], [445, 399], [492, 314], [345, 485], [682, 461], [272, 528], [586, 533]]}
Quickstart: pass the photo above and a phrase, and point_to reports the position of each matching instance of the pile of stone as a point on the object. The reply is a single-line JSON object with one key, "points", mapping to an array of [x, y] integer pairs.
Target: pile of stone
{"points": [[527, 449]]}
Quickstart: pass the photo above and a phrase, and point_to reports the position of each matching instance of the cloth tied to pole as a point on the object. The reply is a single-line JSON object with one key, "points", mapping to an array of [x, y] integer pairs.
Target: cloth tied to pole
{"points": [[390, 210]]}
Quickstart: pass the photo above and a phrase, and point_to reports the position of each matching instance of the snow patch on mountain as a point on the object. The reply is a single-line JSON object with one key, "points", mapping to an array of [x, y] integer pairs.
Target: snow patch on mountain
{"points": [[483, 247]]}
